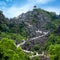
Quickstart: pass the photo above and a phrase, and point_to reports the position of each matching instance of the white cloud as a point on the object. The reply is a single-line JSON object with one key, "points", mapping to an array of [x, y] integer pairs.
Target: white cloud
{"points": [[15, 11], [40, 1], [52, 9]]}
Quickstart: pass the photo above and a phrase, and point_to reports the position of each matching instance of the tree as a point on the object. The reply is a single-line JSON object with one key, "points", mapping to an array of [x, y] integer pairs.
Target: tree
{"points": [[35, 7], [54, 51], [9, 51]]}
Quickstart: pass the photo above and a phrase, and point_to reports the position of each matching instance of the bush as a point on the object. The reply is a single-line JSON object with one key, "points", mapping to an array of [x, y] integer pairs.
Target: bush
{"points": [[9, 51]]}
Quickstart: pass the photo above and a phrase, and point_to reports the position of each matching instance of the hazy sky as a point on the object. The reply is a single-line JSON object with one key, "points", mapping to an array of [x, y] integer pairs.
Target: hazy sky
{"points": [[13, 8]]}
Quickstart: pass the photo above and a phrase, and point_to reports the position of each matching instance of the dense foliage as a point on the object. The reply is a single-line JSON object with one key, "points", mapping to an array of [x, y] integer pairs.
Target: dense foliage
{"points": [[54, 51], [16, 37], [9, 51], [53, 45]]}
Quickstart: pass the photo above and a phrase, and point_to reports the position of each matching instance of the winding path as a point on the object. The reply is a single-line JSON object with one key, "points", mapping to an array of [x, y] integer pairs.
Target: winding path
{"points": [[44, 33], [21, 43], [37, 55]]}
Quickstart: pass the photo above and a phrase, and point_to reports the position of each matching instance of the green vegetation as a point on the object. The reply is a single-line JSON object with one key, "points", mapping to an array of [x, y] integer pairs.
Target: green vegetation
{"points": [[11, 32], [53, 46], [13, 36], [54, 51], [36, 58], [52, 40], [9, 51], [8, 27], [36, 47], [50, 26]]}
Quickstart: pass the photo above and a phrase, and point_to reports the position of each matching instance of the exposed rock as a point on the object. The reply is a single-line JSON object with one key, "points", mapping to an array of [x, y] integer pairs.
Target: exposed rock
{"points": [[33, 21], [30, 44]]}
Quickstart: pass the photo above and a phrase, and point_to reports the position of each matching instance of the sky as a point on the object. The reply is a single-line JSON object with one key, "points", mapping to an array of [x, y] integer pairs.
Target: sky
{"points": [[13, 8]]}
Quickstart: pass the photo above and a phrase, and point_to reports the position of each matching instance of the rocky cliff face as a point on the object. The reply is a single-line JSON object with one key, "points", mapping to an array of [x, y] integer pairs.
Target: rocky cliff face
{"points": [[33, 21]]}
